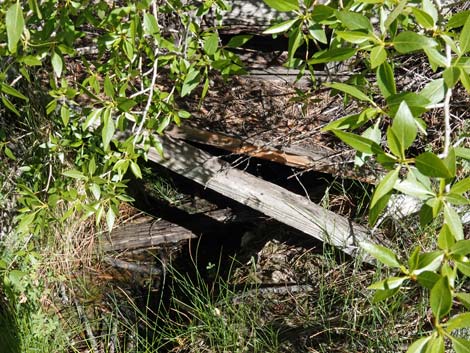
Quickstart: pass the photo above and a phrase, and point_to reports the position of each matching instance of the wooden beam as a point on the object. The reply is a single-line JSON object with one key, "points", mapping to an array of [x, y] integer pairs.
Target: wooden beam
{"points": [[268, 198], [320, 160]]}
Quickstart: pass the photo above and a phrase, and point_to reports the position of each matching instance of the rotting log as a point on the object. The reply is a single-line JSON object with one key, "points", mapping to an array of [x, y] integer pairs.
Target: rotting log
{"points": [[319, 159], [268, 198]]}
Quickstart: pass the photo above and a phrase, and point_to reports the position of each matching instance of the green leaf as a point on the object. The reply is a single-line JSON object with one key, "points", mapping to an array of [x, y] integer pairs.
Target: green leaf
{"points": [[462, 152], [331, 55], [385, 186], [461, 186], [450, 162], [441, 298], [386, 79], [434, 91], [317, 32], [358, 142], [374, 212], [429, 7], [351, 122], [388, 283], [353, 20], [378, 55], [445, 240], [7, 89], [150, 24], [414, 188], [424, 20], [57, 63], [419, 345], [428, 279], [14, 22], [465, 37], [238, 41], [75, 174], [283, 5], [96, 191], [435, 345], [136, 170], [460, 345], [430, 261], [464, 299], [431, 165], [463, 267], [280, 27], [191, 81], [451, 76], [381, 253], [355, 37], [110, 218], [458, 20], [453, 221], [108, 128], [211, 43], [108, 87], [416, 103], [436, 59], [351, 90], [8, 152], [458, 321], [295, 39], [125, 104], [381, 295], [395, 13], [407, 42], [404, 126], [10, 105]]}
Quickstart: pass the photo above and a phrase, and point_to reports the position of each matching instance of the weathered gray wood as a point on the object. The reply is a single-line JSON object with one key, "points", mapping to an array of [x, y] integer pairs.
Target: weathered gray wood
{"points": [[270, 199]]}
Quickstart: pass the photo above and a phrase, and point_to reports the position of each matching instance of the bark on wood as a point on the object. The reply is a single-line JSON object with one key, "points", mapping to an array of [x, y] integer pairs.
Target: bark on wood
{"points": [[270, 199]]}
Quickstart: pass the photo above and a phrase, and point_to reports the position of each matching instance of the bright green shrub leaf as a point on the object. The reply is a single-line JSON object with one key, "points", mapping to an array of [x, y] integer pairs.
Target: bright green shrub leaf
{"points": [[465, 37], [295, 40], [462, 247], [125, 104], [280, 27], [431, 165], [283, 5], [460, 345], [435, 345], [381, 253], [464, 299], [445, 240], [434, 91], [7, 89], [238, 41], [150, 24], [394, 144], [378, 55], [441, 298], [96, 191], [75, 174], [424, 20], [462, 152], [456, 199], [110, 218], [10, 105], [386, 80], [14, 22], [430, 261], [211, 43], [136, 170], [428, 279], [463, 267], [385, 186], [358, 142], [404, 126], [374, 212], [429, 7], [465, 79], [450, 162], [407, 42], [323, 14], [331, 55], [419, 345], [461, 186], [453, 221], [356, 37], [317, 32], [352, 122], [381, 295], [451, 76], [416, 103], [397, 11], [108, 128], [9, 153], [351, 90], [413, 259], [190, 82], [458, 20], [57, 63], [353, 20], [414, 188], [389, 283], [436, 59]]}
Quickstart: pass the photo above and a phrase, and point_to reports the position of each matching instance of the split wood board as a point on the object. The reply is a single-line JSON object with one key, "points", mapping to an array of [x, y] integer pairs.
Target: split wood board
{"points": [[268, 198]]}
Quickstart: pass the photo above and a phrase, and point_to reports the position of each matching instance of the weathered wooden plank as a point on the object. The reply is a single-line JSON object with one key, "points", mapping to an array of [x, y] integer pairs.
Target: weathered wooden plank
{"points": [[268, 198], [319, 159]]}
